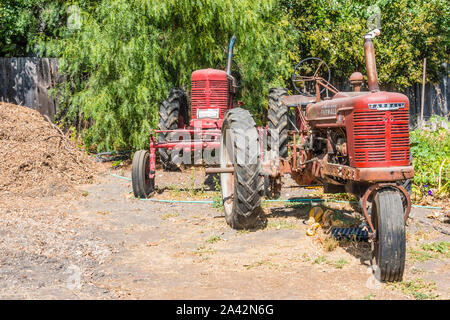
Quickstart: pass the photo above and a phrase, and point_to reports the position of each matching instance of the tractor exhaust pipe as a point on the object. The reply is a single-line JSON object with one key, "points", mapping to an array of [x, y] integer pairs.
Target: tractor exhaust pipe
{"points": [[371, 65], [230, 54]]}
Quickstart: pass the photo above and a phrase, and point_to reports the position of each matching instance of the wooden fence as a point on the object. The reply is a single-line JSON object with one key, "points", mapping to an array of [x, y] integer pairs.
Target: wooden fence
{"points": [[27, 81]]}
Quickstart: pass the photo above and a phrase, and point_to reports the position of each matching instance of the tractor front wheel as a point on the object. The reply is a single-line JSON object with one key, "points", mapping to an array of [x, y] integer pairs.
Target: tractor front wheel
{"points": [[143, 185], [390, 242], [241, 189]]}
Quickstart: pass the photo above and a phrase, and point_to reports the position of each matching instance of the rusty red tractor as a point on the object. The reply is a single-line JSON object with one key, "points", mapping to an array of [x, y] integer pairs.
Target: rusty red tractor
{"points": [[181, 130], [355, 142]]}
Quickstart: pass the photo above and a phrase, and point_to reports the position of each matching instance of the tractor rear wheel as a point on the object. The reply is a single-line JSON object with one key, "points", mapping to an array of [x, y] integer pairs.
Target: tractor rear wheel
{"points": [[173, 114], [143, 185], [277, 121], [277, 139], [241, 190], [390, 241]]}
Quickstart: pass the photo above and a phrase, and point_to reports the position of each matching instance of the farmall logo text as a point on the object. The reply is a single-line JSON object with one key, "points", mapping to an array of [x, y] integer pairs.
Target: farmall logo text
{"points": [[386, 106], [329, 110]]}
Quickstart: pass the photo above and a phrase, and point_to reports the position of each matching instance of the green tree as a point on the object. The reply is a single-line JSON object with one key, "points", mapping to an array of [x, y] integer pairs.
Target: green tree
{"points": [[127, 55], [410, 31], [23, 21]]}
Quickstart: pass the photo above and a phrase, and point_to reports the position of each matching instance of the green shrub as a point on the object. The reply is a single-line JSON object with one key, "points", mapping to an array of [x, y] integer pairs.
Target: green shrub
{"points": [[128, 54], [430, 151], [410, 31]]}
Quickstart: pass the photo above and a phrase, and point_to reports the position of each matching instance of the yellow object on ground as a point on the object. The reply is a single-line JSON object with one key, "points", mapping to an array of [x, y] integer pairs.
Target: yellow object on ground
{"points": [[318, 219], [313, 229], [327, 219], [316, 213], [315, 217]]}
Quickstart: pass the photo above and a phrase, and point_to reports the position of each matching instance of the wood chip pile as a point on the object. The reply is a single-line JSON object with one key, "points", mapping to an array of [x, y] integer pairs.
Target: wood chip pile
{"points": [[36, 158]]}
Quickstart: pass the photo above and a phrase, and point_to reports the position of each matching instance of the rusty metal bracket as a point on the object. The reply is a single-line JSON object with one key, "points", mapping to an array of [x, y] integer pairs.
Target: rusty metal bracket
{"points": [[377, 186]]}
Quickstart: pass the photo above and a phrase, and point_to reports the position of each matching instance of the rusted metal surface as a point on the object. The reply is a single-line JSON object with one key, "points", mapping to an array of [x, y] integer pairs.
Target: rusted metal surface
{"points": [[276, 167], [385, 174], [364, 206], [219, 170], [376, 187], [371, 66], [329, 113], [366, 174], [187, 144], [324, 83], [339, 171], [303, 177], [296, 100], [284, 166], [152, 158], [356, 80]]}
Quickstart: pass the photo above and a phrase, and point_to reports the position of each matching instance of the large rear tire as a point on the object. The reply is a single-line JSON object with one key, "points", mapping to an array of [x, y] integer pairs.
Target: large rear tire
{"points": [[277, 138], [390, 243], [143, 185], [277, 122], [173, 114], [242, 189]]}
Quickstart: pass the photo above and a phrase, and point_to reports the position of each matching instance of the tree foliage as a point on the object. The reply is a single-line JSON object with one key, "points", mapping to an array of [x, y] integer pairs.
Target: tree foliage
{"points": [[20, 23], [410, 31], [431, 158], [127, 55]]}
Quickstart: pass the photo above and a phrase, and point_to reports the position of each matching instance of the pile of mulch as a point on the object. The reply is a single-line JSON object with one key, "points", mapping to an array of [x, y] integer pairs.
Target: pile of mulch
{"points": [[36, 157]]}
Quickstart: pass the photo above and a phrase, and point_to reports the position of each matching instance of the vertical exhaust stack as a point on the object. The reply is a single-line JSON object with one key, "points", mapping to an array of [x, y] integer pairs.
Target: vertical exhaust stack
{"points": [[230, 54], [371, 65]]}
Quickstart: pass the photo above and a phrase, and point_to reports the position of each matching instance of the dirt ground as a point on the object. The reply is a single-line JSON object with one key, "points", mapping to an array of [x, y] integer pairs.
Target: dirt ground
{"points": [[100, 243]]}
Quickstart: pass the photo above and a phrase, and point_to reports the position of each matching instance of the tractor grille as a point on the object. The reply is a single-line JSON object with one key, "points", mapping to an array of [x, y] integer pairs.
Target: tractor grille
{"points": [[381, 137], [219, 95], [209, 94]]}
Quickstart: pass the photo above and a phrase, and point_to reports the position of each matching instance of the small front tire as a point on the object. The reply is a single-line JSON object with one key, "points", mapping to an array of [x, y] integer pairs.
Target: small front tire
{"points": [[143, 185], [390, 242]]}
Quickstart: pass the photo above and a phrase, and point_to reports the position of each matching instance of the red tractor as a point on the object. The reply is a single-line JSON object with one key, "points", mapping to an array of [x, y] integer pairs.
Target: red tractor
{"points": [[213, 92], [355, 142]]}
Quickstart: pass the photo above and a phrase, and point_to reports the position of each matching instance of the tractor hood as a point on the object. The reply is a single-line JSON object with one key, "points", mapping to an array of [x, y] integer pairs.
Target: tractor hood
{"points": [[344, 102]]}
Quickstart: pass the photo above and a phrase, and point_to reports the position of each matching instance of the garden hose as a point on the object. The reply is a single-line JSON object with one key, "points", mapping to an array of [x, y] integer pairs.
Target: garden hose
{"points": [[267, 200], [110, 156]]}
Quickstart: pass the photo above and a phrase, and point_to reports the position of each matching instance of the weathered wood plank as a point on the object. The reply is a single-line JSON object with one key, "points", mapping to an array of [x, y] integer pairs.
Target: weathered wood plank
{"points": [[27, 81]]}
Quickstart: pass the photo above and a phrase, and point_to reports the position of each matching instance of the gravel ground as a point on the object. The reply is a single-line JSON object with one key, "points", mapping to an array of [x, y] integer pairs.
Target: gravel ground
{"points": [[99, 243]]}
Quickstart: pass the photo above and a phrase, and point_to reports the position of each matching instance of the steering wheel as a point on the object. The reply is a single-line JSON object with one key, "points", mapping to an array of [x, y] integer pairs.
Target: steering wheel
{"points": [[307, 72]]}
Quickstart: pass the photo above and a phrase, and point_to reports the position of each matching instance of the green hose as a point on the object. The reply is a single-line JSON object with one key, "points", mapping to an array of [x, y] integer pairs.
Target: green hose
{"points": [[268, 200], [120, 177], [178, 201]]}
